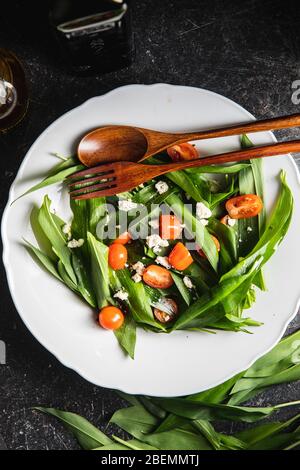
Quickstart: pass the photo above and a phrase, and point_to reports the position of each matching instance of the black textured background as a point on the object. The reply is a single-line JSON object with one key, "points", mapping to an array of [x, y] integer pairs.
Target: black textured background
{"points": [[246, 50]]}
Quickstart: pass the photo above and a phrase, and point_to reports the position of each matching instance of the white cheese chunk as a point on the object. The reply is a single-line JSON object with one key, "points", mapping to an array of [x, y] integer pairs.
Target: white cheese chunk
{"points": [[202, 211], [121, 294], [138, 267], [204, 222], [188, 282], [155, 242], [67, 230], [161, 187], [126, 205], [75, 243], [136, 277], [163, 261], [231, 222]]}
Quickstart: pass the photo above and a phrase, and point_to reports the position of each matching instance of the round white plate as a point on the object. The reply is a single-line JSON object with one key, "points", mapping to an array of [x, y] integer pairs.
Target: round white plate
{"points": [[165, 365]]}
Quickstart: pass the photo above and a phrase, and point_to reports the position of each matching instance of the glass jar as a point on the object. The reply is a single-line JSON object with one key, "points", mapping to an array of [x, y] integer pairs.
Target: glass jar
{"points": [[13, 91], [94, 35]]}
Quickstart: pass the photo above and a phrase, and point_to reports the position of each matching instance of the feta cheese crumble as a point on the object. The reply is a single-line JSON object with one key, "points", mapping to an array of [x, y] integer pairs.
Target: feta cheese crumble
{"points": [[163, 261], [204, 222], [75, 243], [161, 187], [249, 229], [126, 205], [136, 277], [231, 222], [202, 211], [188, 282], [67, 230], [139, 267], [121, 294], [155, 242]]}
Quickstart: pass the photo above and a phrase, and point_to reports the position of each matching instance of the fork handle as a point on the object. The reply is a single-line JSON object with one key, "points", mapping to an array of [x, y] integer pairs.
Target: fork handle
{"points": [[272, 150], [282, 122]]}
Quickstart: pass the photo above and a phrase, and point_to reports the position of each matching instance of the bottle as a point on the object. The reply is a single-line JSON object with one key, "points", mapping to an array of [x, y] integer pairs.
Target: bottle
{"points": [[94, 35], [13, 91]]}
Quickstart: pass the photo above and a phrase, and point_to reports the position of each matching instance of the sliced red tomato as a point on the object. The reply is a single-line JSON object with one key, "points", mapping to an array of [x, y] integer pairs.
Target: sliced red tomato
{"points": [[117, 256], [123, 239], [244, 207], [157, 276], [111, 318], [180, 258], [169, 227], [184, 151]]}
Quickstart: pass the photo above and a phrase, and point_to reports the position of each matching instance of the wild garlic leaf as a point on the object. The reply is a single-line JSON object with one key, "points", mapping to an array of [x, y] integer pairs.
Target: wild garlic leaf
{"points": [[49, 224], [126, 335], [99, 270], [44, 260], [259, 433], [55, 176], [88, 436], [195, 410]]}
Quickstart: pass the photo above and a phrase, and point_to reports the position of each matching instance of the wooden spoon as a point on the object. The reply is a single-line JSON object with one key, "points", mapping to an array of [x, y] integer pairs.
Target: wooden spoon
{"points": [[128, 143]]}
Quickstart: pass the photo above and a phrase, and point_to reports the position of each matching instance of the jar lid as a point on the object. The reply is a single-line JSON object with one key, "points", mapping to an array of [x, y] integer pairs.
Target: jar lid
{"points": [[13, 90]]}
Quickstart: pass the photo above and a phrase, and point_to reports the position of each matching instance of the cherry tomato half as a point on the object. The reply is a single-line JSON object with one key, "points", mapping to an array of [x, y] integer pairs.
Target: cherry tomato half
{"points": [[117, 256], [180, 257], [244, 207], [158, 277], [216, 242], [169, 227], [111, 318], [123, 239], [184, 151]]}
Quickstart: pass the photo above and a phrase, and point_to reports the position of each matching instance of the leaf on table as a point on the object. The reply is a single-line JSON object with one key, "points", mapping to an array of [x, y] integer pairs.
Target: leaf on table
{"points": [[195, 410], [87, 435]]}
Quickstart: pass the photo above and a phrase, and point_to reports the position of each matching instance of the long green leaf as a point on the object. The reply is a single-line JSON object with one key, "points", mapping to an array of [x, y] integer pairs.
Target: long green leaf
{"points": [[88, 436], [52, 230], [57, 175], [44, 260], [100, 270], [196, 410]]}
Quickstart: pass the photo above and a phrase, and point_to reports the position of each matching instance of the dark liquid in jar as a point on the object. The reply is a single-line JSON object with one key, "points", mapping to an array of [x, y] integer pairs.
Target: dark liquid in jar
{"points": [[94, 35]]}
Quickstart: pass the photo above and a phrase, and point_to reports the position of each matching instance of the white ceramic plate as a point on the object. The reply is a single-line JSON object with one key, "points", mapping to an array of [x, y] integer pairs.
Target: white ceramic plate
{"points": [[165, 365]]}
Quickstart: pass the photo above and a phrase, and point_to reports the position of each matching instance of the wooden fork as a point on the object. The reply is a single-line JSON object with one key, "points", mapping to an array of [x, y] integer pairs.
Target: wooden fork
{"points": [[118, 177]]}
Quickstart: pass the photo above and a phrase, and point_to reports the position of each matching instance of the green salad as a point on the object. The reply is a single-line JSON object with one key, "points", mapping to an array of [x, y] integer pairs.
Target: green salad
{"points": [[182, 252]]}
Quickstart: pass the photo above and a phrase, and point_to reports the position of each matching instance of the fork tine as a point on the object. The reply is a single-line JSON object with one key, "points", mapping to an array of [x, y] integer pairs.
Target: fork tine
{"points": [[94, 187], [106, 191], [90, 180], [91, 171]]}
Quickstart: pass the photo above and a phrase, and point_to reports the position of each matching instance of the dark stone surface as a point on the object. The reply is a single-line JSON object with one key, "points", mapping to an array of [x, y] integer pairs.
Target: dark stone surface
{"points": [[248, 51]]}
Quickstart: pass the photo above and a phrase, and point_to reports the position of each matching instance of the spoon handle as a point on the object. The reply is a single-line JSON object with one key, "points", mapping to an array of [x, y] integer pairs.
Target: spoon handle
{"points": [[272, 150], [255, 126]]}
